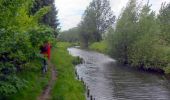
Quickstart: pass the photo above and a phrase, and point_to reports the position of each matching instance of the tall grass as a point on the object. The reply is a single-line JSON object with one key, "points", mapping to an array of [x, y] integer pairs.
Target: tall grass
{"points": [[66, 86]]}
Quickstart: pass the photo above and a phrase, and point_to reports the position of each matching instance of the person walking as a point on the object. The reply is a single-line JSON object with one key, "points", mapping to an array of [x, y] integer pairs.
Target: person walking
{"points": [[46, 52]]}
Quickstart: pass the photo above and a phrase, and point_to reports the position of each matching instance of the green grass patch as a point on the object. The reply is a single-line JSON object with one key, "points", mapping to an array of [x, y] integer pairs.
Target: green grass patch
{"points": [[35, 81], [99, 46], [66, 86]]}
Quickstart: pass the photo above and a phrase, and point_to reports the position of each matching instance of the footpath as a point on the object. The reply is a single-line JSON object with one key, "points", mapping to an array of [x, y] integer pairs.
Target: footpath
{"points": [[46, 93]]}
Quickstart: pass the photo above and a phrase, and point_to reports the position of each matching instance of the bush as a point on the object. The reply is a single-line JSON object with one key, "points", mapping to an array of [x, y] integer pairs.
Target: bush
{"points": [[99, 46], [11, 84], [167, 69], [77, 60]]}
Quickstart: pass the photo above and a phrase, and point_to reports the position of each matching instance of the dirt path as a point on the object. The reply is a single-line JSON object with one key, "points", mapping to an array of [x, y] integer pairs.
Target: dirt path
{"points": [[45, 95]]}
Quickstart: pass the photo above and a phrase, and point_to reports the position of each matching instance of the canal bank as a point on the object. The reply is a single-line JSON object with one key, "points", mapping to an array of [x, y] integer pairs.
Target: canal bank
{"points": [[67, 87]]}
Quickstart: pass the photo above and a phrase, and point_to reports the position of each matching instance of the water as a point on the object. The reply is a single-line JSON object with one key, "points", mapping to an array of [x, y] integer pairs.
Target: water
{"points": [[110, 81]]}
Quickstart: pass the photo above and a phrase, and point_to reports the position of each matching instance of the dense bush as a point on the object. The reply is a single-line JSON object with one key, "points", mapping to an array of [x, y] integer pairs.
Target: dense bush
{"points": [[20, 38]]}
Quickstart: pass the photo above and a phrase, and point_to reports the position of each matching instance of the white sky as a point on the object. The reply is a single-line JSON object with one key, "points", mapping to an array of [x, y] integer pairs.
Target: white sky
{"points": [[70, 11]]}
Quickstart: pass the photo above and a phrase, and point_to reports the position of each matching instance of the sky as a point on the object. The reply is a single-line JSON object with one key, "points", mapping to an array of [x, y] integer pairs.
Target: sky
{"points": [[71, 11]]}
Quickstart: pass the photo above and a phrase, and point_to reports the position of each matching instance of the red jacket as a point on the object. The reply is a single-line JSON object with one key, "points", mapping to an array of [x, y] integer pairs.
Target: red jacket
{"points": [[48, 51]]}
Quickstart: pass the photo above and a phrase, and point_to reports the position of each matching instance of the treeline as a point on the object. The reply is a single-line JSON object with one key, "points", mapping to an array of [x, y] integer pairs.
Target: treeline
{"points": [[25, 25], [96, 20], [141, 38], [71, 35]]}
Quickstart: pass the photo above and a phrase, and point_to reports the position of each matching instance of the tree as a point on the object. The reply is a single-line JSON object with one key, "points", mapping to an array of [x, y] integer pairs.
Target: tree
{"points": [[164, 20], [97, 18], [136, 38], [143, 52], [125, 33], [50, 18]]}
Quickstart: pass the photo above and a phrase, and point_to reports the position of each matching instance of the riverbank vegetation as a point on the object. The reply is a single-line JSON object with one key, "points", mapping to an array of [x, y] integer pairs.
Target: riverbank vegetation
{"points": [[139, 37], [71, 35], [99, 46], [25, 25], [66, 87]]}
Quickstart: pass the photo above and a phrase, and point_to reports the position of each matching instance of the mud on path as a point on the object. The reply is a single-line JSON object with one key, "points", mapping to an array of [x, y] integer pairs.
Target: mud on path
{"points": [[46, 93]]}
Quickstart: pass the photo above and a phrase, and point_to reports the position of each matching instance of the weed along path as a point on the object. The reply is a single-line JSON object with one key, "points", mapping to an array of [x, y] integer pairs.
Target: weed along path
{"points": [[46, 93]]}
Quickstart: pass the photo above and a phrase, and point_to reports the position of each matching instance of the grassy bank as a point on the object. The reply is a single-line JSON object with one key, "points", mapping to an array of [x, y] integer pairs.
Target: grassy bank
{"points": [[66, 87], [35, 84], [99, 46]]}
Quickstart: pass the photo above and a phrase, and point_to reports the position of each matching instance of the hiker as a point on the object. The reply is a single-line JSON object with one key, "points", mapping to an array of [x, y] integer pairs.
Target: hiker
{"points": [[45, 50]]}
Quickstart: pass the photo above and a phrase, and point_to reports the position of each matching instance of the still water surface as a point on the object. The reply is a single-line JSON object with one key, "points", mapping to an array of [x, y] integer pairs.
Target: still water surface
{"points": [[110, 81]]}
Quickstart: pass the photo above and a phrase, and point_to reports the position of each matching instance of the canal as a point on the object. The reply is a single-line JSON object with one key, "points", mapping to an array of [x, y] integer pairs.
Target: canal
{"points": [[108, 80]]}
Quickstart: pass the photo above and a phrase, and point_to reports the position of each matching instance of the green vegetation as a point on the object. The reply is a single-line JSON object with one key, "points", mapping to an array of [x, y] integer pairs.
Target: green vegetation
{"points": [[50, 18], [21, 35], [77, 60], [141, 39], [71, 35], [35, 84], [97, 18], [66, 87], [99, 46]]}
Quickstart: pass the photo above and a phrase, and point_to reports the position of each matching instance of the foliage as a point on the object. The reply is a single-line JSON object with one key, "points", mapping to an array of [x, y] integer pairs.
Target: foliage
{"points": [[34, 83], [11, 85], [167, 69], [50, 18], [41, 13], [77, 60], [125, 32], [164, 22], [18, 43], [145, 51], [40, 35], [97, 18], [71, 35], [99, 46], [140, 38]]}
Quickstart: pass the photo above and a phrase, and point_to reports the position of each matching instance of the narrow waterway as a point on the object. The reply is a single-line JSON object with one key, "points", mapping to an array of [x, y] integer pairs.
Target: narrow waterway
{"points": [[110, 81]]}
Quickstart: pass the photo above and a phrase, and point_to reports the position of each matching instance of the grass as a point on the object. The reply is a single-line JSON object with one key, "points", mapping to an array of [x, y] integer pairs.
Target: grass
{"points": [[99, 46], [66, 86], [35, 84]]}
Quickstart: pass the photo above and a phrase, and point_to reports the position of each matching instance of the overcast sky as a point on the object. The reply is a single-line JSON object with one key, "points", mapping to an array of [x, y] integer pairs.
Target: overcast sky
{"points": [[70, 11]]}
